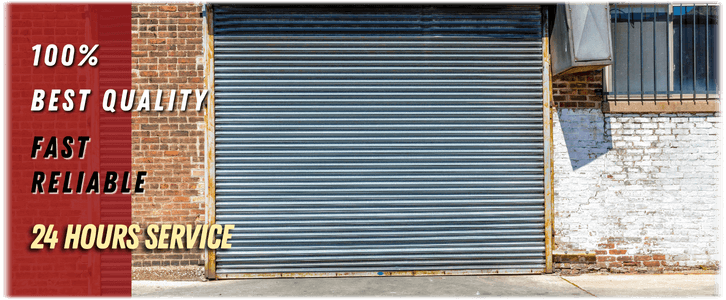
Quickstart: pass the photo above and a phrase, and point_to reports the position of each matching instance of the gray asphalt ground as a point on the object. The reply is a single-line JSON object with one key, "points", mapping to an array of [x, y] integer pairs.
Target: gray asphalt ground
{"points": [[666, 285]]}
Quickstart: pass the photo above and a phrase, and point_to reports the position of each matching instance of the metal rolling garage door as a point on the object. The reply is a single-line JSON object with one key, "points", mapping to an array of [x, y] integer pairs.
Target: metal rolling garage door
{"points": [[373, 139]]}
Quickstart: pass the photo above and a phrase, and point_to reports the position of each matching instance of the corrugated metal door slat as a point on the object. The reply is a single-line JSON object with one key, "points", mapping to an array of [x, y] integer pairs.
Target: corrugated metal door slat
{"points": [[365, 138]]}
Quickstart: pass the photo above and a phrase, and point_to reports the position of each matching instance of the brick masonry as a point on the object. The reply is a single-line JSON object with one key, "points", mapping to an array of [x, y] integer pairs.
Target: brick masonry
{"points": [[167, 54], [578, 90], [641, 191]]}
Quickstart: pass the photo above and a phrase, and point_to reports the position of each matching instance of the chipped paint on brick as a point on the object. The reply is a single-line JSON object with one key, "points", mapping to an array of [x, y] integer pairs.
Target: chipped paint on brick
{"points": [[643, 187]]}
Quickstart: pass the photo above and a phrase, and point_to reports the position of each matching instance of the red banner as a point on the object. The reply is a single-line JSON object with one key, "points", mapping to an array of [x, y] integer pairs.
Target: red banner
{"points": [[54, 61]]}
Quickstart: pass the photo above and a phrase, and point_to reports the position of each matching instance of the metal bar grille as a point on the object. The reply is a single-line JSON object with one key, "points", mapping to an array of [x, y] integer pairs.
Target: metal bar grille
{"points": [[386, 139], [642, 85], [680, 52], [690, 38]]}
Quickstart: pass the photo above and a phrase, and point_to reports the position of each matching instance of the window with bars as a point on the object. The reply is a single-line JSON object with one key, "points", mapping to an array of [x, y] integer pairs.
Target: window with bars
{"points": [[663, 51]]}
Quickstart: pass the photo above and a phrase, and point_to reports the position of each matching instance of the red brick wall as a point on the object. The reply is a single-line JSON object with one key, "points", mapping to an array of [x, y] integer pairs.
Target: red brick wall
{"points": [[578, 90], [615, 259], [168, 53]]}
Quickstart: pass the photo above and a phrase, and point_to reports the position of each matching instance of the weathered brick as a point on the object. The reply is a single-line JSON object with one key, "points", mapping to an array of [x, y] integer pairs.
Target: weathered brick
{"points": [[605, 258], [606, 246], [658, 257], [642, 257], [577, 90], [637, 184], [156, 59], [652, 263]]}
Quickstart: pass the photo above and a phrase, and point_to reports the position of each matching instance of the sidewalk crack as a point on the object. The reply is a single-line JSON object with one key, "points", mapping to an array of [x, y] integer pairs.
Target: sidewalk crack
{"points": [[577, 286]]}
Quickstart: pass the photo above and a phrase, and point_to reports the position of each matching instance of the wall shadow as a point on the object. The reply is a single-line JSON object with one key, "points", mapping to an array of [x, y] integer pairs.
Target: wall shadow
{"points": [[585, 135]]}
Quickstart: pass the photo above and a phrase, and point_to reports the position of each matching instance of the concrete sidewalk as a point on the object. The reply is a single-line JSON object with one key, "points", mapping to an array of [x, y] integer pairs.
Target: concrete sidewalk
{"points": [[668, 285]]}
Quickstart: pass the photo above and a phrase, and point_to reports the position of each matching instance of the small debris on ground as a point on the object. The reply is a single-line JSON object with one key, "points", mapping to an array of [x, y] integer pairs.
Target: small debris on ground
{"points": [[171, 273]]}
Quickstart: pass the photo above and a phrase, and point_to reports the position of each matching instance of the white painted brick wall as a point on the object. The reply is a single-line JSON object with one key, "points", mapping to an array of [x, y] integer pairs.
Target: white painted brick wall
{"points": [[649, 183]]}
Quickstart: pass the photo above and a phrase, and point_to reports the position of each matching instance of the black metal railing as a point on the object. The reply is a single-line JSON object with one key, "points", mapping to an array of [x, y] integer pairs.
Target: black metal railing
{"points": [[663, 52]]}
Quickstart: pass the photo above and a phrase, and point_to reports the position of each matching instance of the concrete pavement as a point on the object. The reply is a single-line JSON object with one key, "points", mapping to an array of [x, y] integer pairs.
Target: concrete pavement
{"points": [[666, 285], [663, 285]]}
